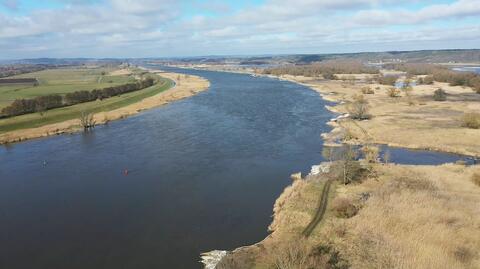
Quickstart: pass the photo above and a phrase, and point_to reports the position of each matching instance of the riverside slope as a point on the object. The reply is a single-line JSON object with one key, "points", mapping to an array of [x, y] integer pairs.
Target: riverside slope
{"points": [[283, 227]]}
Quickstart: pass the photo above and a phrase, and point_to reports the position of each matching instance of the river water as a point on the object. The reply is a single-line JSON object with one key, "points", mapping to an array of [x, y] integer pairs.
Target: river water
{"points": [[204, 173]]}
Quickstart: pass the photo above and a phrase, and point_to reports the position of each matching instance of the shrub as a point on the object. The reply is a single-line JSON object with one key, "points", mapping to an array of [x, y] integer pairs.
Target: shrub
{"points": [[463, 254], [475, 84], [20, 107], [290, 255], [323, 68], [471, 120], [43, 103], [476, 179], [325, 256], [344, 208], [393, 92], [329, 75], [428, 80], [296, 253], [79, 97], [345, 167], [87, 121], [440, 95], [371, 153], [387, 80], [358, 109]]}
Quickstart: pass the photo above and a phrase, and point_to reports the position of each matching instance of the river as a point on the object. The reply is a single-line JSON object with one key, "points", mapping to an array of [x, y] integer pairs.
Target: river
{"points": [[203, 174]]}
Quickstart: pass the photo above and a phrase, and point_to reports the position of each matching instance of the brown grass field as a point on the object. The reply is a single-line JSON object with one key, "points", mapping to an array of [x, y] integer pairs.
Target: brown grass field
{"points": [[399, 216], [413, 121]]}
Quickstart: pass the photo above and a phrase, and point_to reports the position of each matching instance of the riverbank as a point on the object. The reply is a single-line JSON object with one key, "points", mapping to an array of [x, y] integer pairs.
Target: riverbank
{"points": [[398, 216], [401, 216], [414, 120], [184, 86]]}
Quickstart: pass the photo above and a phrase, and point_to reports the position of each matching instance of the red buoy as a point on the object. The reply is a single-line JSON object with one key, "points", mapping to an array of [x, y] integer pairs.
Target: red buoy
{"points": [[125, 172]]}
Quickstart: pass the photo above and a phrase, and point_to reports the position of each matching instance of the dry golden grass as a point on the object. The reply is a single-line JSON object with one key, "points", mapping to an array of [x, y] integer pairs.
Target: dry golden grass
{"points": [[471, 120], [476, 179], [344, 207], [293, 211], [416, 217], [393, 92], [414, 120], [408, 217]]}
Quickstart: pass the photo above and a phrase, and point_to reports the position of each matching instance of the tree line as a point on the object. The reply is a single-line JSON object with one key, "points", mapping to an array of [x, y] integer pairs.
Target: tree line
{"points": [[47, 102], [12, 70], [326, 69], [441, 74]]}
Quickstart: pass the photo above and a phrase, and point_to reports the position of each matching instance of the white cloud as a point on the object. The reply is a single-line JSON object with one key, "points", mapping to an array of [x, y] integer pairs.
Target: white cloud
{"points": [[459, 9], [144, 6], [124, 28]]}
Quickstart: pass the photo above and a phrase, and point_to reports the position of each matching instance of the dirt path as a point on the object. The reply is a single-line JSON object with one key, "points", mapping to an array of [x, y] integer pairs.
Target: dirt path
{"points": [[321, 209]]}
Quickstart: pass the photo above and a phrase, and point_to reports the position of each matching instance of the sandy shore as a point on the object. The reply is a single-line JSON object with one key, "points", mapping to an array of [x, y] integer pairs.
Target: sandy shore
{"points": [[187, 86]]}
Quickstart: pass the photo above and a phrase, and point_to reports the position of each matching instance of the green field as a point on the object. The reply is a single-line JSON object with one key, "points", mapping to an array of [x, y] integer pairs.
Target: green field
{"points": [[61, 81], [73, 112]]}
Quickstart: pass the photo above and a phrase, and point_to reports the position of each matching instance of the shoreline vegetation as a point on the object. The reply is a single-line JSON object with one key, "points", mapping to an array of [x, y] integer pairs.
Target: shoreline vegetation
{"points": [[404, 111], [406, 120], [392, 216], [67, 119]]}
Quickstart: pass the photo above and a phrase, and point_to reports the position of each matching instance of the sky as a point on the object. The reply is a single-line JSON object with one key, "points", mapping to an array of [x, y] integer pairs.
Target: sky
{"points": [[169, 28]]}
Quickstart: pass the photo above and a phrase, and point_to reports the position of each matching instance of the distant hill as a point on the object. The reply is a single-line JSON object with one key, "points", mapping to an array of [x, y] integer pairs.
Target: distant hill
{"points": [[424, 56]]}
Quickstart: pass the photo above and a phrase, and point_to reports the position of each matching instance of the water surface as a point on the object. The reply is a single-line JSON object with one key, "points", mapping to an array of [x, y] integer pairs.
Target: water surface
{"points": [[204, 173]]}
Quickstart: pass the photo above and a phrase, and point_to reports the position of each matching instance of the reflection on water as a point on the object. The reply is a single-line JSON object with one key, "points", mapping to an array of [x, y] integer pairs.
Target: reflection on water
{"points": [[474, 69]]}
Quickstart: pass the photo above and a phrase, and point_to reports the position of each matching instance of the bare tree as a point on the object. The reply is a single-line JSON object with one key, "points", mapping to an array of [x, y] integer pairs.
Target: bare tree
{"points": [[440, 95], [291, 255], [386, 156], [371, 153], [346, 167], [87, 121], [358, 109]]}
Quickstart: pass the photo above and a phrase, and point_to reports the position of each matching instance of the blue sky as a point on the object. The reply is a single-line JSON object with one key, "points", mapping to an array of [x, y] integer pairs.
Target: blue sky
{"points": [[168, 28]]}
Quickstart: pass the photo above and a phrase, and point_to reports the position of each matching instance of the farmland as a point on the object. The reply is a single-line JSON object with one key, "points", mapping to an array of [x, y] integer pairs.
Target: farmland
{"points": [[72, 112], [61, 81]]}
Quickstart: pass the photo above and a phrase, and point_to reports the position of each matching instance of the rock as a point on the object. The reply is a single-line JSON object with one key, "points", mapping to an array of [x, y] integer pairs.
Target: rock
{"points": [[296, 176], [212, 258], [321, 168]]}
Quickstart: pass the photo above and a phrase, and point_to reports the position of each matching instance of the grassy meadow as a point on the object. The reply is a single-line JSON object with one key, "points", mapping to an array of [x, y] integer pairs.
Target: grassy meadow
{"points": [[62, 81], [69, 80]]}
